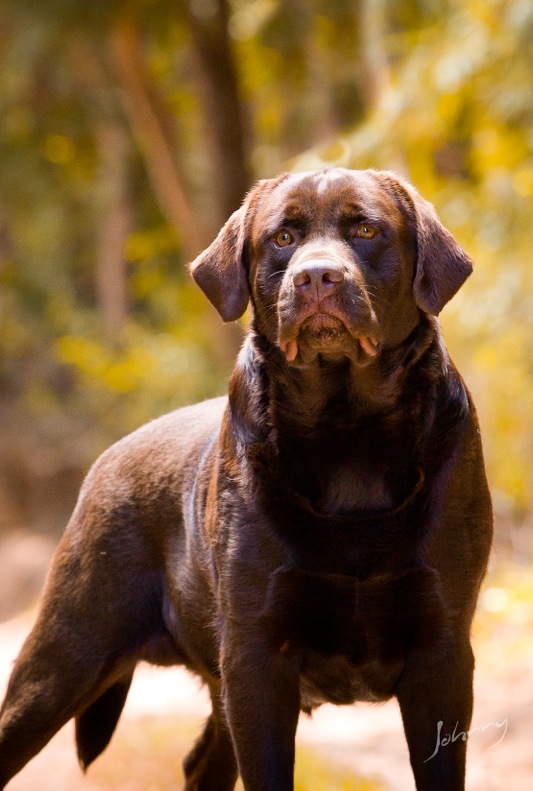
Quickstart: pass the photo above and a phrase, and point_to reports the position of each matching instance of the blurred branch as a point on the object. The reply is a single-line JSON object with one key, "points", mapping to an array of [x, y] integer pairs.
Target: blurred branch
{"points": [[112, 195], [146, 117], [6, 242], [115, 225], [375, 68], [221, 105]]}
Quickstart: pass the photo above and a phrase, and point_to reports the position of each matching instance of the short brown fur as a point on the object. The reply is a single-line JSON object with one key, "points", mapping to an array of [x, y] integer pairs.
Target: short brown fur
{"points": [[319, 536]]}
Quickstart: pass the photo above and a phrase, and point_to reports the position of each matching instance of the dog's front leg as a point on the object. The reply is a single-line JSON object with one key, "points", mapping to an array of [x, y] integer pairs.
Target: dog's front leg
{"points": [[262, 698], [436, 703]]}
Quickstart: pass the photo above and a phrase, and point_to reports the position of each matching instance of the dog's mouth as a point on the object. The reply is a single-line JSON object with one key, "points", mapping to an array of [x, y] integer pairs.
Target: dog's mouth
{"points": [[327, 334]]}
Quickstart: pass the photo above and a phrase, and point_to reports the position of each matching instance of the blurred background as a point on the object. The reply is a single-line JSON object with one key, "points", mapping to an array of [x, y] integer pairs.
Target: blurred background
{"points": [[131, 129]]}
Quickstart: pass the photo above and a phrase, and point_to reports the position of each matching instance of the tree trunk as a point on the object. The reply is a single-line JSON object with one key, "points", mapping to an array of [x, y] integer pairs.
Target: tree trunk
{"points": [[222, 107], [148, 121], [115, 224], [375, 68], [112, 192]]}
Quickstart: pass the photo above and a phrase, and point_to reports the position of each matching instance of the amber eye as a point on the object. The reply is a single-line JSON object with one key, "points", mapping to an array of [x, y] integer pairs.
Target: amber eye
{"points": [[365, 231], [284, 238]]}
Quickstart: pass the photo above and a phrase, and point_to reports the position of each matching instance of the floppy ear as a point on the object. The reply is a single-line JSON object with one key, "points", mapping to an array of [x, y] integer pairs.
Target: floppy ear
{"points": [[442, 266], [220, 270]]}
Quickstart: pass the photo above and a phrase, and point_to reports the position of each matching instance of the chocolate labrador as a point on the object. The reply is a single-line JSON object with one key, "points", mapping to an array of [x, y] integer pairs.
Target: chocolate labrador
{"points": [[319, 536]]}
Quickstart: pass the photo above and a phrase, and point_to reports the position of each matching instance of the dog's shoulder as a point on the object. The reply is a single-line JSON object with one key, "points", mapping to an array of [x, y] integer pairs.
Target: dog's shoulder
{"points": [[163, 449]]}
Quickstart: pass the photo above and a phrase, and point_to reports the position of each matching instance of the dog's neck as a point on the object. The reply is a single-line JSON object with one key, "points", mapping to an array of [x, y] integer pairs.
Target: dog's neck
{"points": [[338, 428], [318, 394]]}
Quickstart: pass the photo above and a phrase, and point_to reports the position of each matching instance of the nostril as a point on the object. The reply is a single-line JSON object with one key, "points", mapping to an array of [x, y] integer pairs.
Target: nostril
{"points": [[324, 277], [333, 276], [302, 278]]}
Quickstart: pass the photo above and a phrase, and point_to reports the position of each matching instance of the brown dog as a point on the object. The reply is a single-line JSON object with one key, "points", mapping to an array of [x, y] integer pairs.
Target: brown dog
{"points": [[320, 536]]}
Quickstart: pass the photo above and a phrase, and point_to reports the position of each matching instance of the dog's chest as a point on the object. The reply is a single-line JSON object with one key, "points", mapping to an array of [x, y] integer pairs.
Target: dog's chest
{"points": [[349, 487], [353, 635], [363, 465], [335, 679]]}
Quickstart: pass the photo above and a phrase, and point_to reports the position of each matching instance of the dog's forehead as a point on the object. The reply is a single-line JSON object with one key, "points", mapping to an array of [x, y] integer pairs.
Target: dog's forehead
{"points": [[325, 195]]}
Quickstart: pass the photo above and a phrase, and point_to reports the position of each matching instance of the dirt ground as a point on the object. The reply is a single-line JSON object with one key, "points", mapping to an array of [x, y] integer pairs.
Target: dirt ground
{"points": [[166, 707]]}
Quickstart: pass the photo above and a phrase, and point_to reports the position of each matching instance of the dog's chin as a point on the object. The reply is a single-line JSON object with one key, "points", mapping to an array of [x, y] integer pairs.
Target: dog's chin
{"points": [[327, 336]]}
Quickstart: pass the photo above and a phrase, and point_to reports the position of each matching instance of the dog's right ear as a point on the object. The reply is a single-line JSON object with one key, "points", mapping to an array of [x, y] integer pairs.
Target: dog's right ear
{"points": [[220, 270]]}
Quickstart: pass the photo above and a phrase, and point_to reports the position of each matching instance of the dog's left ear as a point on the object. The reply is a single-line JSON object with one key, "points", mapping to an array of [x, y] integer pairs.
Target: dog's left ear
{"points": [[220, 270], [442, 266]]}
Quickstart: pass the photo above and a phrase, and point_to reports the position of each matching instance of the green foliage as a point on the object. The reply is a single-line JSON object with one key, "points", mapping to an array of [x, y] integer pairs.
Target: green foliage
{"points": [[442, 92]]}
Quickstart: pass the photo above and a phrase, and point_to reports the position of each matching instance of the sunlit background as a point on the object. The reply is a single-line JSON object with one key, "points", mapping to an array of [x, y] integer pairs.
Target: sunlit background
{"points": [[128, 133]]}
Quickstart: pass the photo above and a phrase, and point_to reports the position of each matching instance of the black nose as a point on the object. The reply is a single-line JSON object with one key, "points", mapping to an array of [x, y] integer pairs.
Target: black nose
{"points": [[318, 277]]}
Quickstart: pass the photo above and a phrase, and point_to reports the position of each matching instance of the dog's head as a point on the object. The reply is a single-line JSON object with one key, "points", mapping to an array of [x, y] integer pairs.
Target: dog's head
{"points": [[337, 263]]}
